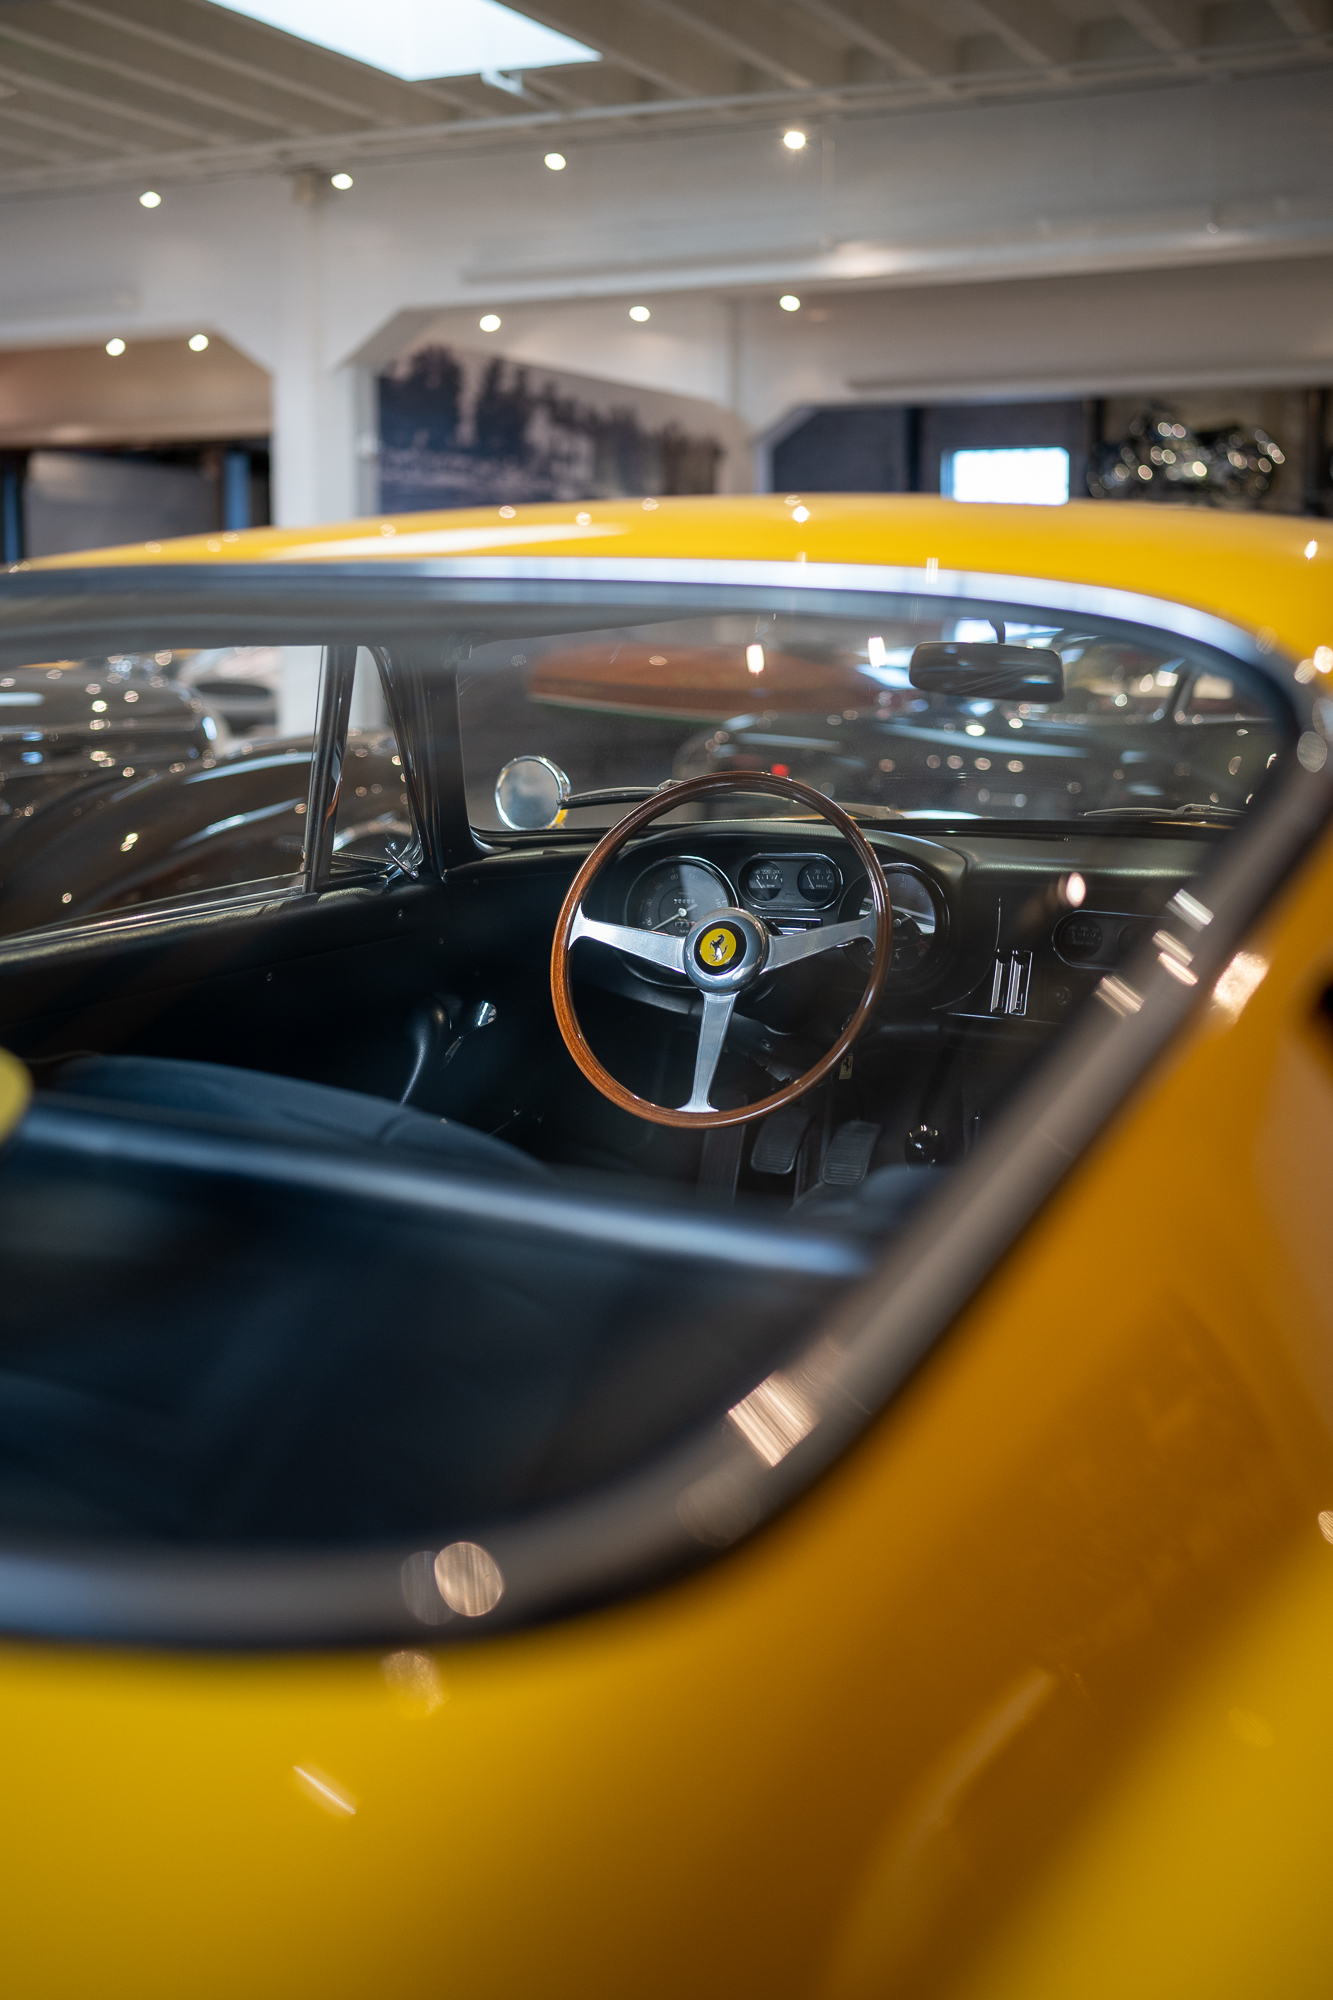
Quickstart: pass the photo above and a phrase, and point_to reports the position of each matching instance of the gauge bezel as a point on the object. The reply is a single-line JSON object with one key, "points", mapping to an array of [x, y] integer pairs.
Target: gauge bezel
{"points": [[658, 976], [796, 859], [850, 906]]}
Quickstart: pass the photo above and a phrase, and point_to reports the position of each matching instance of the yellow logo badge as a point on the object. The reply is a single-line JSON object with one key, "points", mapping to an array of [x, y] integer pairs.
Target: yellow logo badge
{"points": [[718, 947]]}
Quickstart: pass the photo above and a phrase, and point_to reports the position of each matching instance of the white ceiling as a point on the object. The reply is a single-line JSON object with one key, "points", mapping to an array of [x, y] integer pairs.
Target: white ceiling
{"points": [[150, 91]]}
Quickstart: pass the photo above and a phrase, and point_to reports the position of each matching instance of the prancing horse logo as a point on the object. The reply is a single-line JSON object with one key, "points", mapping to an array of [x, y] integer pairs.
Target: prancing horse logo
{"points": [[718, 947]]}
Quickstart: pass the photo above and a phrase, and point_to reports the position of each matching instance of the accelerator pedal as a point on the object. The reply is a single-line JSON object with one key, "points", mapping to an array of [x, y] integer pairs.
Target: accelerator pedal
{"points": [[849, 1152], [778, 1140]]}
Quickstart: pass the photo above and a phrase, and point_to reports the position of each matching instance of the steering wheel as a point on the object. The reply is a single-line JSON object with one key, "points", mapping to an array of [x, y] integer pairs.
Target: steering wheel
{"points": [[725, 953]]}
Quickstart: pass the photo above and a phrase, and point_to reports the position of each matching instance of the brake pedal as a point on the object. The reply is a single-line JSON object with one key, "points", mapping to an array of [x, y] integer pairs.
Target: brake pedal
{"points": [[778, 1140], [849, 1152]]}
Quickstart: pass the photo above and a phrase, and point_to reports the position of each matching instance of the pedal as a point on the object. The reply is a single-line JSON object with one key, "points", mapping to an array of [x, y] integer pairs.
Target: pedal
{"points": [[778, 1140], [720, 1162], [849, 1152]]}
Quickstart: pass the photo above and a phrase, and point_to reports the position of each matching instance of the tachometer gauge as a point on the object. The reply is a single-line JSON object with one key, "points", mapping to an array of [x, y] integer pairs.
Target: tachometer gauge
{"points": [[673, 896], [914, 918]]}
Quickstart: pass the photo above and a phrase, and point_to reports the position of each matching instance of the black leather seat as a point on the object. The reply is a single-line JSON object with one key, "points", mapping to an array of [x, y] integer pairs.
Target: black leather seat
{"points": [[286, 1107]]}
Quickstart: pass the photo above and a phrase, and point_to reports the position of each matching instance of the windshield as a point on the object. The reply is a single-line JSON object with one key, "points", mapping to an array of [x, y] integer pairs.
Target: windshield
{"points": [[1144, 726]]}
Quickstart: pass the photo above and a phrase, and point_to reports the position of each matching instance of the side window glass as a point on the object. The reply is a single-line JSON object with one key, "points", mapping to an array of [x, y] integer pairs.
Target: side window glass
{"points": [[372, 822], [127, 779]]}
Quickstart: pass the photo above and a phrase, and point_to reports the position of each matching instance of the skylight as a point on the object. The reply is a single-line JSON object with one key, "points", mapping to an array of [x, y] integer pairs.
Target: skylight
{"points": [[416, 39]]}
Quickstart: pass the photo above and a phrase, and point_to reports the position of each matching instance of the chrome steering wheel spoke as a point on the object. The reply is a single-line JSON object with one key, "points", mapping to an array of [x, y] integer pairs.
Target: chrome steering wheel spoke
{"points": [[653, 946], [806, 944], [712, 1034]]}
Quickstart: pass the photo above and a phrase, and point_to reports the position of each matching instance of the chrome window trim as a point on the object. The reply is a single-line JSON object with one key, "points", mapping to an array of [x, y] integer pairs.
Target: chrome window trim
{"points": [[1034, 592]]}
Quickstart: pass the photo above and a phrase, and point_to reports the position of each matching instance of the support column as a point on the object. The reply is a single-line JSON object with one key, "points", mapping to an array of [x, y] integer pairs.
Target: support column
{"points": [[315, 401]]}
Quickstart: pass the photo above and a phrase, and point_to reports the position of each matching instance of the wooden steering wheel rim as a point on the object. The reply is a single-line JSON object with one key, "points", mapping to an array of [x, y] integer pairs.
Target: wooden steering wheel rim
{"points": [[611, 843]]}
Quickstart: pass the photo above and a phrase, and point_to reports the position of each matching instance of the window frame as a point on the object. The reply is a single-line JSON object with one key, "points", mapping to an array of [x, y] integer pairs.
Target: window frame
{"points": [[699, 1499]]}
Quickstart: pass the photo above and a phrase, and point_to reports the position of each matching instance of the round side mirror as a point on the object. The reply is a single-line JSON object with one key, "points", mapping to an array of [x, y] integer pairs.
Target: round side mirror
{"points": [[530, 793]]}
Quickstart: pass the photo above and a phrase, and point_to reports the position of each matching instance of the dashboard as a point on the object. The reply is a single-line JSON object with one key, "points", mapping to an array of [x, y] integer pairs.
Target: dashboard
{"points": [[791, 891], [989, 926]]}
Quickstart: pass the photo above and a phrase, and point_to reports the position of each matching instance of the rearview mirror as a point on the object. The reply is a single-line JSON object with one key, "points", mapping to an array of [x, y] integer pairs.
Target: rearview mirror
{"points": [[531, 793], [983, 668]]}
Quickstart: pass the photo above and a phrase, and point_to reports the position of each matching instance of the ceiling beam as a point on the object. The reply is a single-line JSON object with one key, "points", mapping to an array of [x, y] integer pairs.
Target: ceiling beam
{"points": [[28, 149], [645, 43], [912, 44], [1032, 29], [80, 134], [761, 35], [1303, 17], [94, 51], [1173, 26], [33, 82]]}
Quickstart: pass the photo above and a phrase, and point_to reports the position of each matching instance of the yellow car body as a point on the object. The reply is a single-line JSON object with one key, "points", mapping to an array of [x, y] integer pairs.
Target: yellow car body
{"points": [[1026, 1698]]}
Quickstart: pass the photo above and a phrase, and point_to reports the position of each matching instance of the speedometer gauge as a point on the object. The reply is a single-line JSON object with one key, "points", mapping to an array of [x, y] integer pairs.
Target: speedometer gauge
{"points": [[673, 896]]}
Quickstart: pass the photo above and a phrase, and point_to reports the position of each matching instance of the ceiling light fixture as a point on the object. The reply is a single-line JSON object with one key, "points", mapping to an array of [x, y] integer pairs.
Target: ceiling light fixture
{"points": [[150, 200], [489, 322], [341, 181], [794, 140], [789, 302], [421, 39], [639, 313], [198, 342], [116, 346], [556, 162]]}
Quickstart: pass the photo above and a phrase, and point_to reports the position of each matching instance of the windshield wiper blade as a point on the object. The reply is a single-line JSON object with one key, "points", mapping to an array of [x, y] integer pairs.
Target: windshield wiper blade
{"points": [[1220, 815]]}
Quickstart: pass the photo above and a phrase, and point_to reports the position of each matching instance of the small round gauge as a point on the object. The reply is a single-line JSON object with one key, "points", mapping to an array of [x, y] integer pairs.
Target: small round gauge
{"points": [[819, 881], [914, 919], [763, 882], [674, 895]]}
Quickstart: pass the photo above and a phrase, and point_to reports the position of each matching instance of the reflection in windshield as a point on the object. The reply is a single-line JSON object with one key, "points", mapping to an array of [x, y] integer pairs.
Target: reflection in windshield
{"points": [[1144, 727]]}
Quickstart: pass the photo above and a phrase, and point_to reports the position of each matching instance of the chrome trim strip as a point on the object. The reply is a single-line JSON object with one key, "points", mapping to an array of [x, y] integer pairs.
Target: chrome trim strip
{"points": [[1034, 592]]}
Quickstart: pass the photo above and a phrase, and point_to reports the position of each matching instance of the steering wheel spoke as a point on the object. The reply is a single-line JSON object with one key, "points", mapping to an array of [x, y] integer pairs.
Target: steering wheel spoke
{"points": [[713, 1027], [654, 946], [807, 944]]}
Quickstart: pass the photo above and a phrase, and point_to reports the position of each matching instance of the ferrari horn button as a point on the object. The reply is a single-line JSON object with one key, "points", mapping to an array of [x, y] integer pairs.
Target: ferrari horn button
{"points": [[718, 947]]}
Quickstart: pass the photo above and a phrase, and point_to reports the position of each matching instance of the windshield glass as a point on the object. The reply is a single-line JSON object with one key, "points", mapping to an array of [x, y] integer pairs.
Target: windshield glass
{"points": [[1144, 725]]}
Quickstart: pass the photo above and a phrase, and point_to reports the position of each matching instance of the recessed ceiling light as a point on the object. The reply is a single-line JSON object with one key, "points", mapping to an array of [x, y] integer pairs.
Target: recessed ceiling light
{"points": [[640, 313], [198, 342], [417, 39], [556, 162], [489, 322], [150, 200], [116, 346], [793, 140], [789, 302], [340, 181]]}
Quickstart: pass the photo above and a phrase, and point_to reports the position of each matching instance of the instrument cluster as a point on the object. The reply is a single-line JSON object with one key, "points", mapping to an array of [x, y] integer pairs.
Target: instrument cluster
{"points": [[790, 890]]}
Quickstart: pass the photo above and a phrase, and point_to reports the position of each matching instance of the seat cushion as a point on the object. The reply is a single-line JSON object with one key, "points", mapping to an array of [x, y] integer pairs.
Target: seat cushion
{"points": [[285, 1106]]}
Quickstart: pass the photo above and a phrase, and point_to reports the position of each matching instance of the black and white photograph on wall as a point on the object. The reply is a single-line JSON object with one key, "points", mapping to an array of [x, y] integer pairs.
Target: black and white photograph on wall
{"points": [[464, 429]]}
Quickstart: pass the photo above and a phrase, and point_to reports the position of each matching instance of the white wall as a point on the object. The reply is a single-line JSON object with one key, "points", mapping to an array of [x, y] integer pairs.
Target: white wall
{"points": [[1073, 246]]}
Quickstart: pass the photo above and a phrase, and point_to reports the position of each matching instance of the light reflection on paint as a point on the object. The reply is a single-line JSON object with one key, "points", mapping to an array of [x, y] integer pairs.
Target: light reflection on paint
{"points": [[325, 1791], [1238, 980], [415, 1680], [774, 1417]]}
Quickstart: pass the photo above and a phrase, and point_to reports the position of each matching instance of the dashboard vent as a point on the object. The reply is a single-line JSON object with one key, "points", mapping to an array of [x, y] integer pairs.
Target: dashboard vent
{"points": [[1010, 981]]}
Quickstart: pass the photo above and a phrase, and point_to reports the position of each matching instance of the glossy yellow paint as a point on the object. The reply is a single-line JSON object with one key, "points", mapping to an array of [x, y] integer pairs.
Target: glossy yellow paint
{"points": [[1250, 568], [1025, 1699], [15, 1090]]}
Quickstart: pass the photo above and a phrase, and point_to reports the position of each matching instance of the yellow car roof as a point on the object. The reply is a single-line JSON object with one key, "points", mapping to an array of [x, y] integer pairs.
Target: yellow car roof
{"points": [[1269, 570]]}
